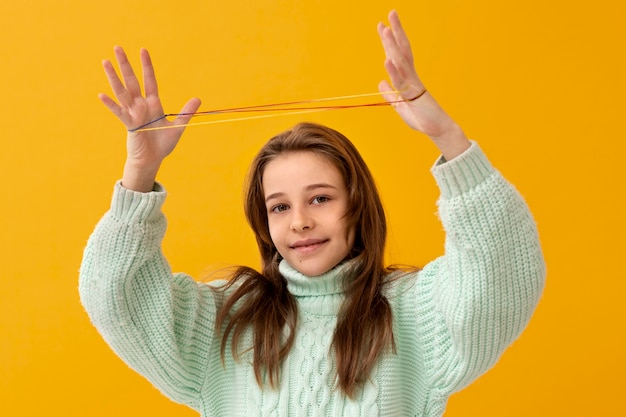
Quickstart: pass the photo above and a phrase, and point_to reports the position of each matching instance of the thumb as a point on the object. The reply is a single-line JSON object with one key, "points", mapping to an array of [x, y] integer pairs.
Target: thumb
{"points": [[187, 112], [389, 94]]}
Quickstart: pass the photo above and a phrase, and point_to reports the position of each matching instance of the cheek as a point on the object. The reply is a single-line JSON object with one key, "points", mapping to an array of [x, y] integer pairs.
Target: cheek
{"points": [[350, 237], [275, 240], [273, 230]]}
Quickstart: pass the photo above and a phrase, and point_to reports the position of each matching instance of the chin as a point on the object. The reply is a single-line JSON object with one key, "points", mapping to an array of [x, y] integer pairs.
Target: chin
{"points": [[312, 271]]}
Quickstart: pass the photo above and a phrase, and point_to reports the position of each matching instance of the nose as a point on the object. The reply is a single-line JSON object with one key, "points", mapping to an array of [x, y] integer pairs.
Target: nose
{"points": [[301, 220]]}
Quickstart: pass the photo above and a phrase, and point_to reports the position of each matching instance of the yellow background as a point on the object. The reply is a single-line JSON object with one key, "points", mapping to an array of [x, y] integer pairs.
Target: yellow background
{"points": [[540, 83]]}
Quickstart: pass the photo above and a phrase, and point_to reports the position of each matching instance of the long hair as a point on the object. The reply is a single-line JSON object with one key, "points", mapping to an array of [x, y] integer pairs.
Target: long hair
{"points": [[364, 324]]}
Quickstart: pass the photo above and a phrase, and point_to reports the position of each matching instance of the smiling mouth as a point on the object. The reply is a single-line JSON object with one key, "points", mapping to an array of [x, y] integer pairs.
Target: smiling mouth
{"points": [[308, 245]]}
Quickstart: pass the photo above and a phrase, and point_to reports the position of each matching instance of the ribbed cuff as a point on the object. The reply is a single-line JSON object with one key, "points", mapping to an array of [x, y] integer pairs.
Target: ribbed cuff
{"points": [[462, 173], [136, 207]]}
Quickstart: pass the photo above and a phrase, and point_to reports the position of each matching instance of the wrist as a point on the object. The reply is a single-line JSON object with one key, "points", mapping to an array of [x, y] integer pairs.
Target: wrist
{"points": [[451, 141], [139, 177]]}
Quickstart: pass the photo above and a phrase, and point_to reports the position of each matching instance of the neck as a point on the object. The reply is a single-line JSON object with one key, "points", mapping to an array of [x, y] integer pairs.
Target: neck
{"points": [[320, 295]]}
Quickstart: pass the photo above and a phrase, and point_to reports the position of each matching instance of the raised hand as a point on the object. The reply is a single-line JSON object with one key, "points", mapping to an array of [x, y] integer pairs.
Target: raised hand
{"points": [[145, 149], [422, 114]]}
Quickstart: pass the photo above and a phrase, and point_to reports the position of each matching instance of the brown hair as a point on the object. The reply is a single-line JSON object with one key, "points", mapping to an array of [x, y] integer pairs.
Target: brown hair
{"points": [[364, 325]]}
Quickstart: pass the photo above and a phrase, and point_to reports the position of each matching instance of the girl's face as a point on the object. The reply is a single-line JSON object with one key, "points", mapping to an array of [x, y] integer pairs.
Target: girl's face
{"points": [[306, 200]]}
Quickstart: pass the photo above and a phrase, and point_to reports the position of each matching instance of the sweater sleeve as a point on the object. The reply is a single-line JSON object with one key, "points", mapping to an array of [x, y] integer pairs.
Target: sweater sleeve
{"points": [[160, 324], [484, 289]]}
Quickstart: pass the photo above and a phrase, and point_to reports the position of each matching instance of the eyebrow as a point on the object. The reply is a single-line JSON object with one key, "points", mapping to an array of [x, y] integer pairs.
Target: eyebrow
{"points": [[307, 188]]}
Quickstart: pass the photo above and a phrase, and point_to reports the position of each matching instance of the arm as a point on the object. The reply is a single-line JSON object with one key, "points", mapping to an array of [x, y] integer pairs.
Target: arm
{"points": [[160, 324], [151, 318], [479, 296], [484, 290]]}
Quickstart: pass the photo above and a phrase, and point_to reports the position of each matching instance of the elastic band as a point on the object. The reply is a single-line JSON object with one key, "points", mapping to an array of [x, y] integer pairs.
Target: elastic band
{"points": [[149, 123], [417, 96], [285, 107]]}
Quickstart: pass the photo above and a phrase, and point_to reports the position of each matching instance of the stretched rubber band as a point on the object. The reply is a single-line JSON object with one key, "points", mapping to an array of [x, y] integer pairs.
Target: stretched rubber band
{"points": [[284, 108], [235, 119]]}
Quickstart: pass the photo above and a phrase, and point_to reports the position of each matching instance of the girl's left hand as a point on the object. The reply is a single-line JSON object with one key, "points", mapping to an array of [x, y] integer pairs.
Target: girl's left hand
{"points": [[422, 114]]}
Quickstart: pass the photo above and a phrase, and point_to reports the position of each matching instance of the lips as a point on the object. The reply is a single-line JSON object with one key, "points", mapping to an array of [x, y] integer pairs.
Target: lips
{"points": [[308, 245]]}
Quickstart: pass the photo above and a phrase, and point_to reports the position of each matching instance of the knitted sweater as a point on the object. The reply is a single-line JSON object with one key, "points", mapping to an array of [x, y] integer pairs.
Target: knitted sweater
{"points": [[452, 320]]}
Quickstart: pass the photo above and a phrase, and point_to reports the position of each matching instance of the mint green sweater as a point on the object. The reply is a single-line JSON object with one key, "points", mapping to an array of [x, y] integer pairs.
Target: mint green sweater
{"points": [[452, 320]]}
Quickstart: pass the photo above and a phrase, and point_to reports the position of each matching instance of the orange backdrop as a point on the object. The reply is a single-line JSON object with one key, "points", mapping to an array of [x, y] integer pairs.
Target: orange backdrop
{"points": [[541, 85]]}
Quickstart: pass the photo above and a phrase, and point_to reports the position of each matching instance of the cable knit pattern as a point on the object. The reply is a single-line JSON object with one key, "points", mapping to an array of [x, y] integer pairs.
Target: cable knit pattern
{"points": [[452, 320]]}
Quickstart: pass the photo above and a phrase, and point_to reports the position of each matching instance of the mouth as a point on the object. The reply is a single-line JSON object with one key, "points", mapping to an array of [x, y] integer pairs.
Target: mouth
{"points": [[308, 245]]}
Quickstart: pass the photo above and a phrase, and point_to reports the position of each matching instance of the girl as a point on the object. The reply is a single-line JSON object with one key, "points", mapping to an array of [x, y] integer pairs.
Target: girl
{"points": [[324, 328]]}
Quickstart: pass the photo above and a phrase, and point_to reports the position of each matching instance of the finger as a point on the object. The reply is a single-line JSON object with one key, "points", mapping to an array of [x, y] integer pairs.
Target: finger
{"points": [[401, 39], [397, 46], [391, 46], [110, 104], [389, 42], [187, 111], [381, 29], [400, 69], [149, 78], [408, 87], [114, 108], [389, 94], [399, 81], [114, 81], [128, 75]]}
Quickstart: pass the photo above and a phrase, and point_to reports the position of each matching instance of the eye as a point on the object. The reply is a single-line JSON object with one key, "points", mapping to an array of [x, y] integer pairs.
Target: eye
{"points": [[278, 208], [320, 199]]}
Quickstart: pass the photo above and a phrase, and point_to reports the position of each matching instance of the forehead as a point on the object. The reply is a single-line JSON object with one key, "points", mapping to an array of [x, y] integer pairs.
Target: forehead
{"points": [[299, 169]]}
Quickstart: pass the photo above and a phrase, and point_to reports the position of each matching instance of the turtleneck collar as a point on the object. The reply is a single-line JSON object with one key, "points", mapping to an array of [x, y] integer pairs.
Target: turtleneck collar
{"points": [[322, 294]]}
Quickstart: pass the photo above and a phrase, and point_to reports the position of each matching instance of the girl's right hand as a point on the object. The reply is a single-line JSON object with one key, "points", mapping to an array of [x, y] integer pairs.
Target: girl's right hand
{"points": [[145, 149]]}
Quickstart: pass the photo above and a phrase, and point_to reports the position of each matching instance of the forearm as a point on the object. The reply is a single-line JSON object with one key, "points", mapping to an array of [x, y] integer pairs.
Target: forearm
{"points": [[491, 277], [124, 241], [130, 294]]}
